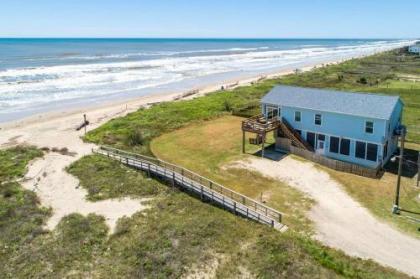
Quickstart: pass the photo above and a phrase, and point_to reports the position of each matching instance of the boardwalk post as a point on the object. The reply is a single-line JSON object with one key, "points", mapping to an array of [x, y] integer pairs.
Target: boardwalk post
{"points": [[173, 179], [217, 193], [243, 141]]}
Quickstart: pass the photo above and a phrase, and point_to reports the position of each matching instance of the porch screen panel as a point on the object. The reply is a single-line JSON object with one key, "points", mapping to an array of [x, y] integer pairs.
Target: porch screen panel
{"points": [[345, 147], [360, 149], [334, 144], [372, 152]]}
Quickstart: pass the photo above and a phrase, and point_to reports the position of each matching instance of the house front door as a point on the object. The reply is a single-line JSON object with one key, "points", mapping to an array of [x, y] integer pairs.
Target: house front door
{"points": [[320, 147]]}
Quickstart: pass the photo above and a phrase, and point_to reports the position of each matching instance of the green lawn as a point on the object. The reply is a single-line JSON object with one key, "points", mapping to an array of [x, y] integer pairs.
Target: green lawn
{"points": [[207, 148]]}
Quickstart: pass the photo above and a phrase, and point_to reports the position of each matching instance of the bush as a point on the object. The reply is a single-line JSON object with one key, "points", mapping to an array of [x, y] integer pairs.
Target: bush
{"points": [[363, 80], [227, 106], [135, 137]]}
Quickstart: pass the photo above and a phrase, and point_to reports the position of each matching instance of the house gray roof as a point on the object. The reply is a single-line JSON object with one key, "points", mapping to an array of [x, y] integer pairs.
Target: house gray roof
{"points": [[359, 104]]}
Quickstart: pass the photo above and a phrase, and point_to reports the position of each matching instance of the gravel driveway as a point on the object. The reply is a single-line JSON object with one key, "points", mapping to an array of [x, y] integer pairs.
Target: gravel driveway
{"points": [[340, 221]]}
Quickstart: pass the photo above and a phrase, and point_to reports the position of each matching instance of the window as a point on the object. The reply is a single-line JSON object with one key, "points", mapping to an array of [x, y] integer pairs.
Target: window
{"points": [[345, 146], [360, 150], [372, 152], [299, 132], [297, 116], [321, 137], [318, 119], [310, 138], [272, 112], [369, 127], [334, 144]]}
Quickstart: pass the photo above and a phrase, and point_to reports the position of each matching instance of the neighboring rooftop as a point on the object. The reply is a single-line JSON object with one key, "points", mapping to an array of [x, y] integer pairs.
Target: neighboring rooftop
{"points": [[359, 104]]}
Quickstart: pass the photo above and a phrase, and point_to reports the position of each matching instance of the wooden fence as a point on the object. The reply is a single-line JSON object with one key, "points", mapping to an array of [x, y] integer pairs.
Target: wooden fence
{"points": [[336, 164], [238, 203]]}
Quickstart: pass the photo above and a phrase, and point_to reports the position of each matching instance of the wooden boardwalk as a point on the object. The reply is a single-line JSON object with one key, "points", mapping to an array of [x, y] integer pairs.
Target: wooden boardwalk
{"points": [[201, 186]]}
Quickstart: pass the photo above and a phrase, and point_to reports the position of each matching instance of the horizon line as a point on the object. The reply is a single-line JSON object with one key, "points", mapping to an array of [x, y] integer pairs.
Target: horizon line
{"points": [[218, 38]]}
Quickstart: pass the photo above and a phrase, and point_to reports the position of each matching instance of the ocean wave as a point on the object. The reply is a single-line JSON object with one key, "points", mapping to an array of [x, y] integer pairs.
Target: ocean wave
{"points": [[27, 87]]}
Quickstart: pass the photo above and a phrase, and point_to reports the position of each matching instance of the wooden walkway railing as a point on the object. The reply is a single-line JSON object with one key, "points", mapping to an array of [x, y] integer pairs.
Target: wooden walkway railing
{"points": [[205, 188]]}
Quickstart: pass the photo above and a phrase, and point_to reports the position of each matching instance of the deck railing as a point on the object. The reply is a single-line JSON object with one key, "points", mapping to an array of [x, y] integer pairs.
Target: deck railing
{"points": [[205, 182], [259, 124]]}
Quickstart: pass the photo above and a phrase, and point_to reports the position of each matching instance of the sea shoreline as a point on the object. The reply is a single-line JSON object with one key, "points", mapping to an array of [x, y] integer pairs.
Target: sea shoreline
{"points": [[59, 86], [122, 107]]}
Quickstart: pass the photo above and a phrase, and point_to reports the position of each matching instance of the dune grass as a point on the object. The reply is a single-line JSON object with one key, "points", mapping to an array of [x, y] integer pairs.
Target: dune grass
{"points": [[177, 236]]}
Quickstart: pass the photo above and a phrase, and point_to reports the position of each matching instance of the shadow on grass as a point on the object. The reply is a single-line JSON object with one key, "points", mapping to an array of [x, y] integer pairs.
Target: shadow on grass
{"points": [[410, 167], [271, 153]]}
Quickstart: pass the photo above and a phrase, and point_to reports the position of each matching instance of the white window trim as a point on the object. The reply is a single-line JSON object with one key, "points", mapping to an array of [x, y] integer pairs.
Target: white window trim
{"points": [[320, 125], [300, 116], [373, 127]]}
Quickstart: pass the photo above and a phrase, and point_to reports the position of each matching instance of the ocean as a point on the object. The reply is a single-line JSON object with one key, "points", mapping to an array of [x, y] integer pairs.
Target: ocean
{"points": [[39, 75]]}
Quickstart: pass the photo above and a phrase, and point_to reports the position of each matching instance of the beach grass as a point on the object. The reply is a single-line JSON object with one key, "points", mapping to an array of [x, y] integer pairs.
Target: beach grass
{"points": [[177, 236]]}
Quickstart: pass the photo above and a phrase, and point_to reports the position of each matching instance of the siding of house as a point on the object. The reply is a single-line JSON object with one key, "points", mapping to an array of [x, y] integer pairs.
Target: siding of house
{"points": [[351, 127], [414, 49]]}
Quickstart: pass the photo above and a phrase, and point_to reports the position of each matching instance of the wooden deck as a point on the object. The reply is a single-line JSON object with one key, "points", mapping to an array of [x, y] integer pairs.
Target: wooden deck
{"points": [[201, 186], [259, 125]]}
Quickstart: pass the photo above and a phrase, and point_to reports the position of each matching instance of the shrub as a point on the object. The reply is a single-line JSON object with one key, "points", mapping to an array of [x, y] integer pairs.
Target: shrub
{"points": [[135, 137], [363, 80]]}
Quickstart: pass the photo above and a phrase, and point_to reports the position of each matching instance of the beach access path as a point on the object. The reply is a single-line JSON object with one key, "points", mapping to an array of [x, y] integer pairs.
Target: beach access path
{"points": [[340, 221], [47, 177]]}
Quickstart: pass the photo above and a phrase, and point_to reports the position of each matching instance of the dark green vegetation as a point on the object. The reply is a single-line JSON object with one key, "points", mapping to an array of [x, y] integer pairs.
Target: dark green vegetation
{"points": [[93, 174], [136, 130], [178, 235]]}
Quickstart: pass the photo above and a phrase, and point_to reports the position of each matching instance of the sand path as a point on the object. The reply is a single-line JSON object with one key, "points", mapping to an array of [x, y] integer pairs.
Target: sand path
{"points": [[47, 176], [340, 221]]}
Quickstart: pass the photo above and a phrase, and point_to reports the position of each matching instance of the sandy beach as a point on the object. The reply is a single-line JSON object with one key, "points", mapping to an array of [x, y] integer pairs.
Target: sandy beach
{"points": [[48, 178]]}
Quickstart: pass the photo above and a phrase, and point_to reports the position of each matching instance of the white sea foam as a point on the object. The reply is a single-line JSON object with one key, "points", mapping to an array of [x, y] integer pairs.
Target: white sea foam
{"points": [[22, 88]]}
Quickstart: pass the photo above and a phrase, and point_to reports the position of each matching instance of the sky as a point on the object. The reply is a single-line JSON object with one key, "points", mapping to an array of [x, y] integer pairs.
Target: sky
{"points": [[211, 18]]}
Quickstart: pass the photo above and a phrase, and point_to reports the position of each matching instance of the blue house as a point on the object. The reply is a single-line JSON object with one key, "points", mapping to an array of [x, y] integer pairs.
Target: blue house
{"points": [[351, 127]]}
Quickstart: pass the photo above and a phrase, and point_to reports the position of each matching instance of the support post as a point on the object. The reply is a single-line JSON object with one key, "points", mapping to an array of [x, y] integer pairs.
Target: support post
{"points": [[262, 145], [84, 122], [396, 207], [148, 169]]}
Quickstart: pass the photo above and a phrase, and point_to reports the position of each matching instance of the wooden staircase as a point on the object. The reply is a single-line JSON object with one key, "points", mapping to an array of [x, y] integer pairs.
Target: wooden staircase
{"points": [[289, 132]]}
